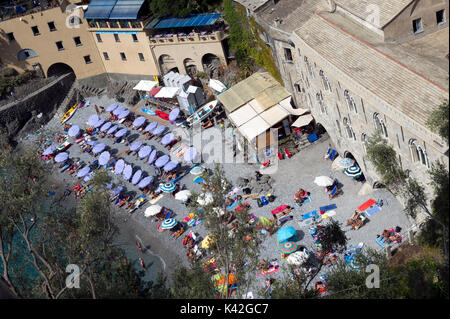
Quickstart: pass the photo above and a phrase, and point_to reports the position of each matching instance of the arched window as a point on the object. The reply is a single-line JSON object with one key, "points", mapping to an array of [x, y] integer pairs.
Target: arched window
{"points": [[349, 129], [380, 125], [325, 82], [322, 106], [309, 67], [26, 54], [339, 127], [418, 154], [364, 141], [351, 104]]}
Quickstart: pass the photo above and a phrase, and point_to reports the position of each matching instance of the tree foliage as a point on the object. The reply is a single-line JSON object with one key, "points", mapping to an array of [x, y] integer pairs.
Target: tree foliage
{"points": [[181, 8], [438, 120]]}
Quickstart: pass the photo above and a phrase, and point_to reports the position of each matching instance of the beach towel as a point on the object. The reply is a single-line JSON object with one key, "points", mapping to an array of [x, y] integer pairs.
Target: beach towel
{"points": [[381, 241], [373, 210], [327, 208], [273, 269], [329, 214], [309, 215], [191, 222], [198, 180], [198, 222], [188, 217], [154, 200], [307, 200], [312, 137], [285, 219], [279, 209], [367, 204]]}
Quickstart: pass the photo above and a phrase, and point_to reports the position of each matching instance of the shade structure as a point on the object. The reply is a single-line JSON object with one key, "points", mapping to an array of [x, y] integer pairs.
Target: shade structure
{"points": [[124, 114], [105, 126], [167, 92], [192, 20], [139, 121], [112, 129], [189, 154], [173, 115], [297, 258], [136, 177], [167, 187], [127, 172], [144, 151], [74, 131], [152, 210], [121, 132], [152, 156], [92, 119], [116, 190], [99, 123], [145, 85], [151, 126], [205, 199], [288, 247], [98, 148], [353, 171], [159, 130], [323, 181], [196, 170], [145, 181], [104, 157], [119, 110], [160, 162], [120, 165], [112, 107], [169, 223], [92, 143], [208, 241], [84, 171], [61, 157], [135, 146], [303, 120], [346, 162], [49, 150], [286, 233], [170, 166], [167, 139], [183, 195]]}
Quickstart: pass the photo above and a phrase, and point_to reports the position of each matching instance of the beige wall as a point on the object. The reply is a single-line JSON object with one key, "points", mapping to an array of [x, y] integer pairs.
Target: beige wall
{"points": [[44, 44]]}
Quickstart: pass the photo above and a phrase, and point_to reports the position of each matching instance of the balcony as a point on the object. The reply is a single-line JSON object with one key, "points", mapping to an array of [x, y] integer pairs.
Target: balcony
{"points": [[118, 25], [181, 38]]}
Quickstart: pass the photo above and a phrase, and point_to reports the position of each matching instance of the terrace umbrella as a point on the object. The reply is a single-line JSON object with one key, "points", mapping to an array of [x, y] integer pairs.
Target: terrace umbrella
{"points": [[323, 181], [170, 166], [152, 210], [346, 162], [49, 150], [167, 138], [112, 107], [151, 126], [152, 156], [124, 114], [189, 154], [159, 130], [61, 157], [139, 121], [208, 241], [162, 161], [145, 181], [205, 199], [353, 171], [183, 195], [144, 151], [98, 148], [104, 157], [285, 233], [120, 165], [93, 119], [288, 247], [99, 123], [119, 110], [127, 172], [136, 177], [106, 126], [121, 132], [297, 258], [74, 130], [84, 171], [135, 146], [116, 190], [173, 115], [88, 177], [112, 129], [169, 223], [167, 187]]}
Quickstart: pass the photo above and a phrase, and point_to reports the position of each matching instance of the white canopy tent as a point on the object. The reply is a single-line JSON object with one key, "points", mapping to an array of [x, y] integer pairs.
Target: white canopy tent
{"points": [[274, 115], [167, 92], [254, 127], [303, 120], [145, 85], [243, 115], [286, 104]]}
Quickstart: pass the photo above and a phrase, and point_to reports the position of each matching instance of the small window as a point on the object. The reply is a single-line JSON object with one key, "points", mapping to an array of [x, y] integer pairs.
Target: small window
{"points": [[288, 54], [297, 88], [77, 41], [99, 38], [35, 30], [417, 25], [87, 59], [116, 37], [51, 26], [135, 39], [123, 56], [59, 45], [11, 37], [141, 57], [105, 55], [440, 17]]}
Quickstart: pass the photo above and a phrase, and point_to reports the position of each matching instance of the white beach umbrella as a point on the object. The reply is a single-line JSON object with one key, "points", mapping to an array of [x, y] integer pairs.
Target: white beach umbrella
{"points": [[152, 210], [183, 195], [323, 181]]}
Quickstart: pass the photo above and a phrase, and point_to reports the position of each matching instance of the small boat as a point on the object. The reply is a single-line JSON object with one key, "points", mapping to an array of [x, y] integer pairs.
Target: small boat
{"points": [[69, 114], [162, 115], [148, 111], [202, 112]]}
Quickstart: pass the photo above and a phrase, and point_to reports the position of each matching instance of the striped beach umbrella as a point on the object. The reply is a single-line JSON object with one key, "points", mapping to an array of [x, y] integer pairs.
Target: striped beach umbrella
{"points": [[61, 157], [346, 162], [144, 151], [353, 171], [288, 247], [169, 223], [167, 187], [150, 127], [127, 172], [145, 181], [162, 161], [74, 130], [104, 157], [139, 121], [98, 148], [119, 110], [136, 177], [84, 171], [121, 132], [159, 130], [170, 166], [167, 138], [124, 114], [135, 146], [120, 165], [112, 107], [93, 119], [105, 126], [112, 129], [49, 150], [152, 156]]}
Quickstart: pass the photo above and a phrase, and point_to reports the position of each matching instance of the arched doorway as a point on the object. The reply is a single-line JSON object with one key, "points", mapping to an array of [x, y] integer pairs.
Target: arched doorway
{"points": [[189, 66], [350, 173], [58, 69], [211, 64], [167, 64]]}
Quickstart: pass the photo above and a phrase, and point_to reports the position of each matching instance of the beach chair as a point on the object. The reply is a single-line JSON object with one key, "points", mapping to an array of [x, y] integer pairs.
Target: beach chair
{"points": [[333, 193]]}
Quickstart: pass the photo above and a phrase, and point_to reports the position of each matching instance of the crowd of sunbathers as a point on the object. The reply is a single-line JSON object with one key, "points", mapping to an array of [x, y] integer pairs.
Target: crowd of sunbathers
{"points": [[391, 235]]}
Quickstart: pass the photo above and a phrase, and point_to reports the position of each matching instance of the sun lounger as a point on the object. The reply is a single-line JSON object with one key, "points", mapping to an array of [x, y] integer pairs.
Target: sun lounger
{"points": [[366, 205], [285, 219], [312, 137], [327, 208], [334, 192], [310, 214], [373, 210]]}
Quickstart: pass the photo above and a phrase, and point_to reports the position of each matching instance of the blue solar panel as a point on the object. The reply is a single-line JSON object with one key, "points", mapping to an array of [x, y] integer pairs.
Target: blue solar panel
{"points": [[189, 21]]}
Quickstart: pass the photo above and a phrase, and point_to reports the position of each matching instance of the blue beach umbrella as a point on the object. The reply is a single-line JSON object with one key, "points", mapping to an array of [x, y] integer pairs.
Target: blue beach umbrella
{"points": [[167, 187], [121, 132], [190, 154], [167, 138], [144, 151], [159, 130], [61, 157], [162, 161], [139, 121], [84, 171], [99, 123], [145, 181], [118, 168], [127, 172], [135, 146], [346, 162], [170, 166], [124, 114], [98, 148], [104, 157], [136, 177], [112, 129], [173, 115], [353, 171], [285, 233], [74, 130], [105, 126], [152, 156], [112, 107], [92, 119], [151, 126], [49, 150], [119, 110], [169, 223]]}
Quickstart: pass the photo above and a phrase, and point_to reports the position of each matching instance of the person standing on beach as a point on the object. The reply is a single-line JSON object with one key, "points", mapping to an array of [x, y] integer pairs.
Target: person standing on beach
{"points": [[142, 263], [97, 110]]}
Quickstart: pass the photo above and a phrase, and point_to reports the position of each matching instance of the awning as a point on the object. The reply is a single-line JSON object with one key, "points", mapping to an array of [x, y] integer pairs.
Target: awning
{"points": [[167, 92], [254, 127], [286, 104], [274, 115], [192, 20], [145, 85], [126, 9], [303, 120], [242, 115], [99, 9]]}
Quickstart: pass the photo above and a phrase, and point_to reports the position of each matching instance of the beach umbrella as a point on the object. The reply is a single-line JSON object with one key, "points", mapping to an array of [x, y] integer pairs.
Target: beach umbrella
{"points": [[105, 126], [353, 171], [116, 190], [205, 199], [49, 150], [288, 247], [208, 241], [152, 210], [88, 177], [170, 166], [152, 156], [61, 157], [119, 110], [144, 151], [162, 161], [196, 170], [183, 195], [297, 258], [136, 177], [169, 223], [173, 115], [93, 119], [168, 187], [121, 132], [323, 181], [145, 181], [190, 154], [127, 172], [112, 107], [98, 148], [346, 162], [104, 157], [159, 130], [135, 146], [120, 165], [74, 130], [139, 121], [124, 114], [84, 171], [167, 138], [112, 129], [151, 126], [285, 233], [99, 123], [92, 143]]}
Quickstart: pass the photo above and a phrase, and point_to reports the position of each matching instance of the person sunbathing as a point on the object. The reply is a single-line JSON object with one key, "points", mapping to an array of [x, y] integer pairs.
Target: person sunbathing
{"points": [[123, 201], [173, 142], [130, 206], [353, 219], [357, 223]]}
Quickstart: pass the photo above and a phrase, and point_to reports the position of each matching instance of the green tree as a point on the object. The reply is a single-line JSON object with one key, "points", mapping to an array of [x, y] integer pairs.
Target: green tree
{"points": [[438, 120]]}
